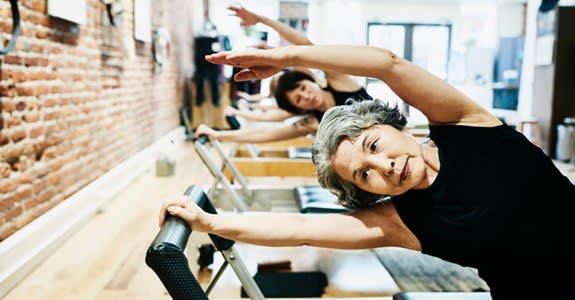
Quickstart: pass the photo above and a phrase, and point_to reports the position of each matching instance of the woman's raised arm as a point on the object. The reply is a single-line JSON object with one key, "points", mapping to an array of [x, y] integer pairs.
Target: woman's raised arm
{"points": [[436, 99], [250, 18]]}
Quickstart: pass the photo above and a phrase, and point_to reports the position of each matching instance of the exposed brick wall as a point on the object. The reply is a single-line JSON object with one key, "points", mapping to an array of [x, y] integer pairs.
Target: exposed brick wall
{"points": [[75, 101]]}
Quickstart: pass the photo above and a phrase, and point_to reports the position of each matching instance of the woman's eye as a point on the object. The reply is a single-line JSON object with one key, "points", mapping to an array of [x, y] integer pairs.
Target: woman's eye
{"points": [[373, 147], [364, 175]]}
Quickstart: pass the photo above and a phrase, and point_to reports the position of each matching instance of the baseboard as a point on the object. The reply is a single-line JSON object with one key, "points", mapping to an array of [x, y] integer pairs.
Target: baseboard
{"points": [[21, 252]]}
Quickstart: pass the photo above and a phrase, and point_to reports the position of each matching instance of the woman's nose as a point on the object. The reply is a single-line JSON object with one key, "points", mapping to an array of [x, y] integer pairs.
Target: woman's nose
{"points": [[387, 166], [391, 167]]}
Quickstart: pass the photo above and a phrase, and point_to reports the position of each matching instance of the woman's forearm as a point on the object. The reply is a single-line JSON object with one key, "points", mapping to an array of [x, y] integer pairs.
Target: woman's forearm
{"points": [[291, 35], [352, 60], [267, 116], [291, 229], [258, 135]]}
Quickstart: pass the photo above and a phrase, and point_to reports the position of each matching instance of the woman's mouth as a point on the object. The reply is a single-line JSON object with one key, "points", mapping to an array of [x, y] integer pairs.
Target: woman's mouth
{"points": [[405, 171]]}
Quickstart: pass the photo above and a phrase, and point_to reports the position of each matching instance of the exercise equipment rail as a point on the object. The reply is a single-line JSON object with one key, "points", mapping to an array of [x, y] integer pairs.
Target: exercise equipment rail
{"points": [[166, 257], [239, 202]]}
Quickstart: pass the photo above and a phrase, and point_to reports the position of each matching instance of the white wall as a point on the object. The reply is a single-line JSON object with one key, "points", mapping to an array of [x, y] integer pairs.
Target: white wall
{"points": [[343, 21]]}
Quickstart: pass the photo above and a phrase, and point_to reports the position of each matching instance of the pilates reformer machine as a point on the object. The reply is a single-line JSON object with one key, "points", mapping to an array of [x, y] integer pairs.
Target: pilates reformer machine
{"points": [[242, 197], [281, 158], [293, 148]]}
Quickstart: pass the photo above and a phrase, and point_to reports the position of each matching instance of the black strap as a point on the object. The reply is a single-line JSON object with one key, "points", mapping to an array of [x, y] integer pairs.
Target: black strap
{"points": [[15, 27]]}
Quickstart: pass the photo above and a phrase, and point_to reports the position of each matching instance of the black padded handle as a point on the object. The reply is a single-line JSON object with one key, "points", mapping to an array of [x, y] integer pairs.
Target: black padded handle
{"points": [[203, 139], [171, 266], [233, 121], [166, 253]]}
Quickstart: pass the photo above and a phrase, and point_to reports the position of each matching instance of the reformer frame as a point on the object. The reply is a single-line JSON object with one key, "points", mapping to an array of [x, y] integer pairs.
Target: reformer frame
{"points": [[299, 198], [242, 197]]}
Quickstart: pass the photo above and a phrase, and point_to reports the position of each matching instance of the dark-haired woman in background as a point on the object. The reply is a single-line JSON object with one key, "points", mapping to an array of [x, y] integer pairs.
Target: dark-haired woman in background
{"points": [[297, 92]]}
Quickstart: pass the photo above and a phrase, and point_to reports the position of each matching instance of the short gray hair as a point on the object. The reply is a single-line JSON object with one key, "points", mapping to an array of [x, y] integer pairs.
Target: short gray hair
{"points": [[348, 122]]}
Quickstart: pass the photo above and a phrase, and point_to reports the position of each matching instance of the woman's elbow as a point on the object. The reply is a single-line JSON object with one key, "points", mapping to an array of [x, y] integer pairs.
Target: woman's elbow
{"points": [[388, 63]]}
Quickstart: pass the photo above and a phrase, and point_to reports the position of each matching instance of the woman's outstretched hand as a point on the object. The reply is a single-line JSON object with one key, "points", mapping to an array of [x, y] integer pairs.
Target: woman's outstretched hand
{"points": [[188, 211], [256, 64], [230, 111], [248, 17], [205, 130]]}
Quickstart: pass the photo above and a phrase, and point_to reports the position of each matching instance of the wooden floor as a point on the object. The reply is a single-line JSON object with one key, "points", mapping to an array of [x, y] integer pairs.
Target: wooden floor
{"points": [[105, 258]]}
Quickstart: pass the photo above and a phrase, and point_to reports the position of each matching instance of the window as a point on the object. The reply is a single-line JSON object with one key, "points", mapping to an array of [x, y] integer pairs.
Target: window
{"points": [[426, 45]]}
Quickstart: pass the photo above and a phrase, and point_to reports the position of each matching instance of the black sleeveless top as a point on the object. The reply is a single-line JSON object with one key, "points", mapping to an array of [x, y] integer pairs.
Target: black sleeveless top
{"points": [[497, 204], [341, 97]]}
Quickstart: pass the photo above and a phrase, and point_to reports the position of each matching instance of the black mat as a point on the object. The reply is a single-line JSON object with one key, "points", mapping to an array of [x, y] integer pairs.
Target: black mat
{"points": [[417, 272]]}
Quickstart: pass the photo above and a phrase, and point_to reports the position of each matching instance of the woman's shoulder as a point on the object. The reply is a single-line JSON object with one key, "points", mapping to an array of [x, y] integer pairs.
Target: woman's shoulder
{"points": [[460, 132]]}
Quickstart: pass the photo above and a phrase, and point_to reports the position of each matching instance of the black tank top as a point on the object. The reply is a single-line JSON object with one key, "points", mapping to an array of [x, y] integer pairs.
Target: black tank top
{"points": [[341, 97], [495, 205]]}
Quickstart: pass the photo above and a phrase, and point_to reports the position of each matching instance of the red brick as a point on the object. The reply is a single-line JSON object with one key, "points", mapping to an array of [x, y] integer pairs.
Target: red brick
{"points": [[7, 106], [25, 91], [5, 12], [21, 105], [40, 19], [15, 75], [5, 170], [18, 135], [7, 202], [26, 178], [36, 131], [50, 115], [7, 92], [36, 61], [50, 102], [14, 212], [42, 35], [39, 6], [44, 195], [36, 47], [8, 185], [39, 170], [24, 192], [4, 140], [32, 117], [11, 59], [13, 122], [7, 230]]}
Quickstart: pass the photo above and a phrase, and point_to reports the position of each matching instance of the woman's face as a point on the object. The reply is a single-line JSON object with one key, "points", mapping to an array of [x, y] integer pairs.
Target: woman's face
{"points": [[306, 96], [382, 160]]}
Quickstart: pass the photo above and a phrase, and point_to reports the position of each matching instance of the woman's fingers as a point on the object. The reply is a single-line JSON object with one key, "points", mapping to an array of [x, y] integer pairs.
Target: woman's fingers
{"points": [[245, 75], [245, 59], [188, 211], [217, 58], [255, 73], [248, 17], [164, 208], [204, 130]]}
